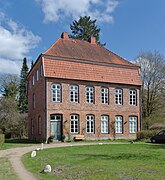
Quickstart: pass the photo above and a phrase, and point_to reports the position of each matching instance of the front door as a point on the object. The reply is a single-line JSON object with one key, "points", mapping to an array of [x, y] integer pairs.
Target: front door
{"points": [[55, 126]]}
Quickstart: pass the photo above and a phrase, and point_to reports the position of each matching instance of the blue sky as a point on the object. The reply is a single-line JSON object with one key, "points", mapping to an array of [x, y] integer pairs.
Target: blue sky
{"points": [[29, 27]]}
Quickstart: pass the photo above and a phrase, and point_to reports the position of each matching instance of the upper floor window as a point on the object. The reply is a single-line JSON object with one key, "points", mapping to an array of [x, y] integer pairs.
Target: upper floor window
{"points": [[41, 70], [74, 94], [118, 96], [33, 80], [132, 124], [119, 124], [104, 124], [37, 75], [132, 97], [104, 95], [74, 123], [90, 124], [56, 92], [89, 94]]}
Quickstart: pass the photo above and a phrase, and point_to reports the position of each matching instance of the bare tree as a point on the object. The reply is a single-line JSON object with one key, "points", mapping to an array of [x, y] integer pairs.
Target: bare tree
{"points": [[153, 78]]}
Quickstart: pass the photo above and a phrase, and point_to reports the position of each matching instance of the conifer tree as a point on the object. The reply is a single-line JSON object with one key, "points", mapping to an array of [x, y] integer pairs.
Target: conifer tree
{"points": [[23, 103], [84, 28]]}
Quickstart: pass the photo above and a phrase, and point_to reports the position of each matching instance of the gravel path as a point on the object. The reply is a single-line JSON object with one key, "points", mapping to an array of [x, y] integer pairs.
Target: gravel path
{"points": [[15, 154]]}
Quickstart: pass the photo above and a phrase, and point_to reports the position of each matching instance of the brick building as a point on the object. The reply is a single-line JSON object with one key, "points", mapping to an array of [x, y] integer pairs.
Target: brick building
{"points": [[79, 87]]}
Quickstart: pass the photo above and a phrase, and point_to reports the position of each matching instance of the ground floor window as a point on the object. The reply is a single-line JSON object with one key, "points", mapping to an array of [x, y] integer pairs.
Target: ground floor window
{"points": [[119, 124], [104, 124], [39, 125], [132, 124], [90, 124], [74, 123]]}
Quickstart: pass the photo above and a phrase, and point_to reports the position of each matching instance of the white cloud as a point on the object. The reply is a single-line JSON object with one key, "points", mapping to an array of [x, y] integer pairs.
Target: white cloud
{"points": [[56, 10], [16, 42], [9, 66]]}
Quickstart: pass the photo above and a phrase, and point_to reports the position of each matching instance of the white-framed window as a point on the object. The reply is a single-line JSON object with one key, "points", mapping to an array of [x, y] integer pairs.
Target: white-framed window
{"points": [[39, 125], [33, 81], [104, 95], [74, 93], [104, 124], [37, 75], [132, 124], [90, 123], [118, 96], [132, 97], [119, 124], [56, 92], [41, 70], [74, 123], [34, 101], [89, 94]]}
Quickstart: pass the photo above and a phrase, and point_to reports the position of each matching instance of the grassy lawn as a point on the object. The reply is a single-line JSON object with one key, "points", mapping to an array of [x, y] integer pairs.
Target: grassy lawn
{"points": [[113, 161], [6, 170], [13, 143]]}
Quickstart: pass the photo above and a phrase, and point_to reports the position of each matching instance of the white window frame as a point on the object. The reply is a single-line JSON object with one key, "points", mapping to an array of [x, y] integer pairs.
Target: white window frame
{"points": [[119, 96], [74, 93], [119, 124], [132, 97], [33, 81], [89, 91], [37, 75], [104, 95], [90, 124], [74, 123], [104, 124], [132, 124], [56, 92]]}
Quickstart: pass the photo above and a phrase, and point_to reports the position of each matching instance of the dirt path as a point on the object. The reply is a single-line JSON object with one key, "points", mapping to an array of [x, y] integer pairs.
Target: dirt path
{"points": [[15, 154]]}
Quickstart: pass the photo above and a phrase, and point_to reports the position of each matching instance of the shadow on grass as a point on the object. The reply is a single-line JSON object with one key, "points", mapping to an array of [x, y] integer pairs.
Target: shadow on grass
{"points": [[21, 141], [121, 156]]}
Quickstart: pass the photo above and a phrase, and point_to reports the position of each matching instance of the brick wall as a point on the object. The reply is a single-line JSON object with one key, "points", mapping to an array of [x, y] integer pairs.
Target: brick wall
{"points": [[65, 108]]}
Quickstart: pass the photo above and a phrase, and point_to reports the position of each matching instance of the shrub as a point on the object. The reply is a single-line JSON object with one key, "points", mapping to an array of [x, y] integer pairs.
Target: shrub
{"points": [[157, 126], [146, 134], [2, 139]]}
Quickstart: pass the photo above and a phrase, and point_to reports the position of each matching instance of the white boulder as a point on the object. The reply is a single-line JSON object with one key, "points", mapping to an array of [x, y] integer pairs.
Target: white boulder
{"points": [[33, 154], [47, 169]]}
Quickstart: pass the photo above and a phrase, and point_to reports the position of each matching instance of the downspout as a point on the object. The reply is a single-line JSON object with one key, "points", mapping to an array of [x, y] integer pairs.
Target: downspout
{"points": [[46, 106]]}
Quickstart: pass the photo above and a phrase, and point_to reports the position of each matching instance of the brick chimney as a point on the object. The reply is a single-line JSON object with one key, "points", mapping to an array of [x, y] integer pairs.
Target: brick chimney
{"points": [[64, 35], [92, 40]]}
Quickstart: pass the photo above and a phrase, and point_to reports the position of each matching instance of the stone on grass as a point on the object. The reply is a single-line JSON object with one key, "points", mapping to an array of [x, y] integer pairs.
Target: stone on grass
{"points": [[33, 154], [47, 169]]}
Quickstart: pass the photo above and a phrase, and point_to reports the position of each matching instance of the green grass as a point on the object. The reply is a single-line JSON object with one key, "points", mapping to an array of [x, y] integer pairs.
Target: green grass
{"points": [[6, 170], [14, 143], [113, 161]]}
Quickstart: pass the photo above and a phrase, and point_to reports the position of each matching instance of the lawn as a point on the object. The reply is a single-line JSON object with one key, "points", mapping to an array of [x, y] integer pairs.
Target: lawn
{"points": [[14, 143], [111, 161], [6, 170]]}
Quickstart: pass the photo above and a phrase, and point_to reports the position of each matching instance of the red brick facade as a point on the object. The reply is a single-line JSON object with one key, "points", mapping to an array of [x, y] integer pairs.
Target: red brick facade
{"points": [[67, 71]]}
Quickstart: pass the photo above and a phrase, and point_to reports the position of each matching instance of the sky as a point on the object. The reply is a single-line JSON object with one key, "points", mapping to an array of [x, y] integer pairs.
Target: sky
{"points": [[29, 27]]}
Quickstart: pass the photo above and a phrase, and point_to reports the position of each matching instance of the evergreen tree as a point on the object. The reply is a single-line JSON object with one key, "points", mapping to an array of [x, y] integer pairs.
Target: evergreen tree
{"points": [[85, 28], [32, 64], [23, 88]]}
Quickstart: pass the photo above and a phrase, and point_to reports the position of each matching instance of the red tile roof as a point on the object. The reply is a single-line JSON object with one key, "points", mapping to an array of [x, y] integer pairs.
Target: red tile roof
{"points": [[90, 72], [84, 50], [82, 60]]}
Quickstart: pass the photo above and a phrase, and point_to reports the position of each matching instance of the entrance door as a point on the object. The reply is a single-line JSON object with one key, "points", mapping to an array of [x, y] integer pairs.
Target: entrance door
{"points": [[55, 126]]}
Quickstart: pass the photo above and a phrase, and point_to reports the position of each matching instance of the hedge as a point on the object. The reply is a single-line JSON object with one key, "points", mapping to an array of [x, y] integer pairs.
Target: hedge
{"points": [[2, 139], [146, 134]]}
